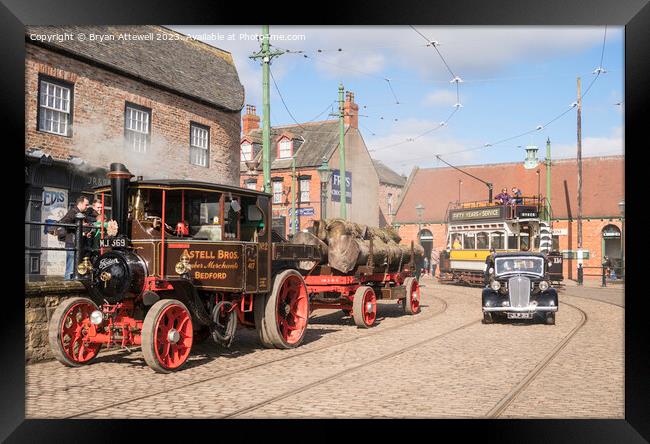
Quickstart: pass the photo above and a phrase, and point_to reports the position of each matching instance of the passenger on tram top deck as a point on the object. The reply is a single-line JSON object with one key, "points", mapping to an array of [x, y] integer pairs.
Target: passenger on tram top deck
{"points": [[516, 196], [503, 197]]}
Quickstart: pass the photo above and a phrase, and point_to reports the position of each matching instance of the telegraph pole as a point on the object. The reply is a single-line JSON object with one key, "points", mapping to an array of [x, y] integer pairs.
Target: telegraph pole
{"points": [[579, 175], [265, 54], [342, 183], [548, 181]]}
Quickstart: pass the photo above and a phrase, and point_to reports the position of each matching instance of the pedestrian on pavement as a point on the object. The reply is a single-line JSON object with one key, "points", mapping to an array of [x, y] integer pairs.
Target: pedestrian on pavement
{"points": [[607, 263], [435, 260], [489, 265], [426, 265], [69, 237]]}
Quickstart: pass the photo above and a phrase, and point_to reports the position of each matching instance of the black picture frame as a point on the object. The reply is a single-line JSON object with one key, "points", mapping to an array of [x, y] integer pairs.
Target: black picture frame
{"points": [[633, 14]]}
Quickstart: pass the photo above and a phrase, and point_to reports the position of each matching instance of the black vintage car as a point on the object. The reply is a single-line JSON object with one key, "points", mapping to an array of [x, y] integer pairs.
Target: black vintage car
{"points": [[518, 287]]}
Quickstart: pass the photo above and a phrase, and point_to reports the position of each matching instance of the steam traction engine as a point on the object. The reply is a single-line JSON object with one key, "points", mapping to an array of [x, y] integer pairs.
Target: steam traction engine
{"points": [[182, 261]]}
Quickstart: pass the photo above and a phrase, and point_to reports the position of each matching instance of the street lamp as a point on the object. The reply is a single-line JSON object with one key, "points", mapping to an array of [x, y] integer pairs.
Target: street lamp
{"points": [[324, 173], [621, 206]]}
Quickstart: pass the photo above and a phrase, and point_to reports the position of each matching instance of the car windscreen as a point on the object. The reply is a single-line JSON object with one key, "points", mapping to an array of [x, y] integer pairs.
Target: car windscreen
{"points": [[519, 265]]}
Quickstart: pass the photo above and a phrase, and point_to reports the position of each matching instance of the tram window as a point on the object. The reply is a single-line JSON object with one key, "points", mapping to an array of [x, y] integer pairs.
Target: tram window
{"points": [[556, 242], [482, 241], [469, 243], [536, 242], [456, 242], [512, 242], [497, 240], [524, 242]]}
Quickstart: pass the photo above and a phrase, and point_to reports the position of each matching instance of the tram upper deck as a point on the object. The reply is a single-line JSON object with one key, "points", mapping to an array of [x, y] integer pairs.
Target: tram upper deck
{"points": [[524, 207]]}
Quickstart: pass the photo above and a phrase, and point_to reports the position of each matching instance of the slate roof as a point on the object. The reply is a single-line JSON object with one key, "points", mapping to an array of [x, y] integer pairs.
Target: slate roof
{"points": [[312, 141], [388, 176], [603, 187], [188, 67]]}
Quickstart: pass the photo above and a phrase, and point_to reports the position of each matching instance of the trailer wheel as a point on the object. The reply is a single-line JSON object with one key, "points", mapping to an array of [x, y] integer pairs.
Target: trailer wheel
{"points": [[167, 335], [364, 307], [287, 310], [411, 302], [260, 323], [66, 330]]}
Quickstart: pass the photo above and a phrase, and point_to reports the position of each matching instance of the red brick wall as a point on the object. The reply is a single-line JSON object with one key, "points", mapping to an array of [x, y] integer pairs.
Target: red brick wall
{"points": [[283, 209], [591, 240], [98, 122]]}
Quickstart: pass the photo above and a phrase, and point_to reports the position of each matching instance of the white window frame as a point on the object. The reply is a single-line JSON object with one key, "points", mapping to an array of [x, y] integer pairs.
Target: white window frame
{"points": [[54, 114], [137, 127], [304, 190], [285, 145], [277, 191], [246, 154], [199, 145], [251, 185]]}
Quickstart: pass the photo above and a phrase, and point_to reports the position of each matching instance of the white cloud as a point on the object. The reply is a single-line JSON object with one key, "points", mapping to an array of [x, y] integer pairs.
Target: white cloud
{"points": [[421, 151], [471, 52], [593, 146], [441, 97]]}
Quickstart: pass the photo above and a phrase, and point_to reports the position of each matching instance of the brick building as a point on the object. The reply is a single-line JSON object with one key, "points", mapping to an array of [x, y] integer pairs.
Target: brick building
{"points": [[162, 105], [310, 143], [603, 190], [391, 185]]}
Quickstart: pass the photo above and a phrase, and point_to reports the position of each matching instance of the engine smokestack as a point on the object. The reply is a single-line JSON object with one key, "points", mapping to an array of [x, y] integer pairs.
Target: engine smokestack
{"points": [[119, 176]]}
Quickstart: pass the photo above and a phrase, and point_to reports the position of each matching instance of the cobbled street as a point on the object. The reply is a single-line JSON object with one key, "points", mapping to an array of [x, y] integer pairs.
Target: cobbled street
{"points": [[442, 362]]}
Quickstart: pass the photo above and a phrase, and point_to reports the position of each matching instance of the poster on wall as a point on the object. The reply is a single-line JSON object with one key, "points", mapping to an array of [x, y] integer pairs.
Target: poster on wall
{"points": [[336, 186], [55, 205]]}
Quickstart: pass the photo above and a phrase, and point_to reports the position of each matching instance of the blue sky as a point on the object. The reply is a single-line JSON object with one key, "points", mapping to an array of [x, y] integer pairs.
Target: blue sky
{"points": [[514, 79]]}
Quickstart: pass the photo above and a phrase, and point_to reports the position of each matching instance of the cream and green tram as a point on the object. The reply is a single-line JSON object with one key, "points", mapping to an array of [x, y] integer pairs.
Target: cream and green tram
{"points": [[474, 228]]}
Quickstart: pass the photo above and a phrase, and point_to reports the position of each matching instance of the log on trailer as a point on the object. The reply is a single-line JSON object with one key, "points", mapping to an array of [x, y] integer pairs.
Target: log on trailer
{"points": [[345, 245]]}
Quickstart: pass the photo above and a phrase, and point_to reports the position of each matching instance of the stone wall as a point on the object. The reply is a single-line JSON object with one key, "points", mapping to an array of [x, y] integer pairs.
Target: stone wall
{"points": [[41, 299]]}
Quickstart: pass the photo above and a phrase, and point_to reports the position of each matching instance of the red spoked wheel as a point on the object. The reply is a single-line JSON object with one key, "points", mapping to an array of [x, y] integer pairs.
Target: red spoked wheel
{"points": [[67, 332], [287, 310], [411, 302], [167, 335], [364, 307]]}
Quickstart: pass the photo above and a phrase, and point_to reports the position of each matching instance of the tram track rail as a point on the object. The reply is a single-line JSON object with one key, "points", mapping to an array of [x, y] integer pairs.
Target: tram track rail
{"points": [[499, 408], [230, 372], [502, 405], [344, 372]]}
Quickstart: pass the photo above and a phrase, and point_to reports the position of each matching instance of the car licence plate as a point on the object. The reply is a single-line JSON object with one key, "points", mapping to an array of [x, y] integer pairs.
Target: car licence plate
{"points": [[520, 315]]}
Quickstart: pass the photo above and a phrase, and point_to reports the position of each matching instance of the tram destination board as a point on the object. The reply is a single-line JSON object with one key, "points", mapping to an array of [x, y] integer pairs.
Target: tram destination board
{"points": [[477, 214]]}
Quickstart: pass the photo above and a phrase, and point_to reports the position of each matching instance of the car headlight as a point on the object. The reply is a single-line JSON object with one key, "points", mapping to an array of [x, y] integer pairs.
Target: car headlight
{"points": [[543, 285], [495, 285]]}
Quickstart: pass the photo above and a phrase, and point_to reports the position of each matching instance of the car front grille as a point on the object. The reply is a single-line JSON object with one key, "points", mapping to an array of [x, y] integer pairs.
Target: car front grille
{"points": [[519, 289]]}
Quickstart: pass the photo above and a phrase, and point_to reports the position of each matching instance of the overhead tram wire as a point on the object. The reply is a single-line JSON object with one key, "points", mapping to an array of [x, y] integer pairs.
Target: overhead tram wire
{"points": [[597, 73], [291, 114]]}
